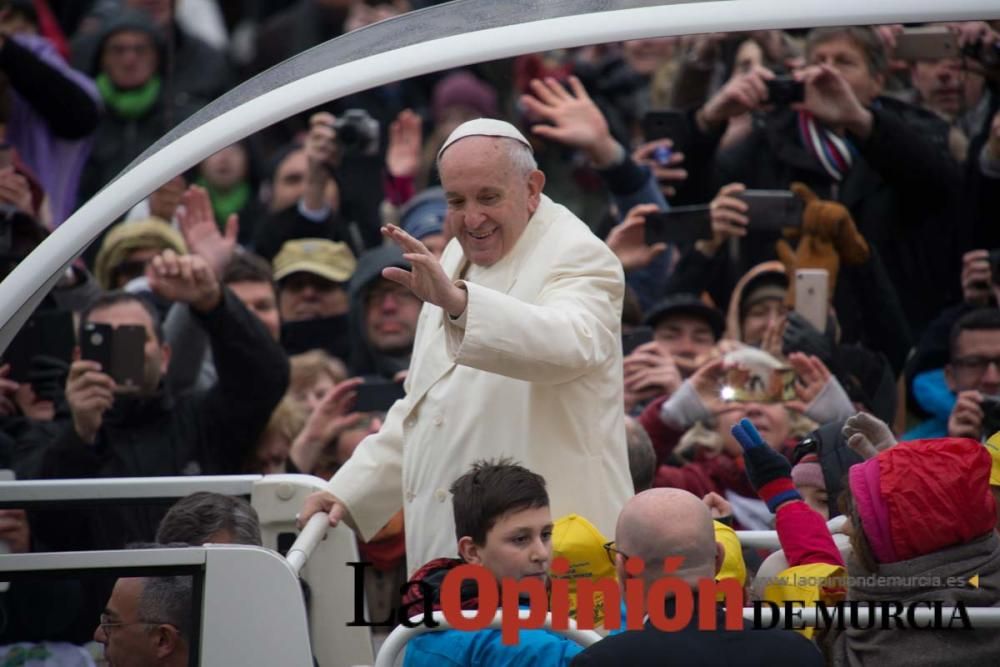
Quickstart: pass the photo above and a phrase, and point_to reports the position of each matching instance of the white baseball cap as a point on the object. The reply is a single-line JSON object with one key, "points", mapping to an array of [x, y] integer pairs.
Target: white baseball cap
{"points": [[484, 127]]}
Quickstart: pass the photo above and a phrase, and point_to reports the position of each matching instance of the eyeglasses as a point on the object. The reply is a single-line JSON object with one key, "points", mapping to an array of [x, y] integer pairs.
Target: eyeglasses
{"points": [[976, 364], [106, 623], [611, 551]]}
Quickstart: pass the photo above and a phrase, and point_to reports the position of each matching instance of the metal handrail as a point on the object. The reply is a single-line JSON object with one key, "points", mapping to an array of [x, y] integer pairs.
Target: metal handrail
{"points": [[312, 534]]}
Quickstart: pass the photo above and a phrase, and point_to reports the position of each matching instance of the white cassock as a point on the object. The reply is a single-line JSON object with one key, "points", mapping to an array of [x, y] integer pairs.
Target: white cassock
{"points": [[532, 371]]}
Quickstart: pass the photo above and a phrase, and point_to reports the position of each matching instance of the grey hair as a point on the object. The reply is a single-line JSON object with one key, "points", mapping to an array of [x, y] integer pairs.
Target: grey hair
{"points": [[194, 519], [522, 159], [167, 600]]}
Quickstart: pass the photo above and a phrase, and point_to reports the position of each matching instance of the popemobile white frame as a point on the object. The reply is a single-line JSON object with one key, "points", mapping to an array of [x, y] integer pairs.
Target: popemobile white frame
{"points": [[253, 610]]}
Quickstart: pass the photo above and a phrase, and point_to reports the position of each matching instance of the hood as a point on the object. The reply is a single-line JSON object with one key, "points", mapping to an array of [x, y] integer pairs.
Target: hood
{"points": [[427, 581], [364, 360], [734, 329], [834, 456], [125, 19], [923, 496]]}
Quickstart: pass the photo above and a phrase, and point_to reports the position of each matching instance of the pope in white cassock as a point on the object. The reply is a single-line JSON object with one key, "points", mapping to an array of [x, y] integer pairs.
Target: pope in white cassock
{"points": [[517, 354]]}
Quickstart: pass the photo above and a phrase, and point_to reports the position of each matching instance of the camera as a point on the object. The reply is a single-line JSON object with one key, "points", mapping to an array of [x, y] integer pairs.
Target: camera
{"points": [[784, 90], [991, 415], [357, 133]]}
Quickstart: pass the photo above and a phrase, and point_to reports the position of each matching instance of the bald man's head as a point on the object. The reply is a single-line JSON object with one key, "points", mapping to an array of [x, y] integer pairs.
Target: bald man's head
{"points": [[659, 523]]}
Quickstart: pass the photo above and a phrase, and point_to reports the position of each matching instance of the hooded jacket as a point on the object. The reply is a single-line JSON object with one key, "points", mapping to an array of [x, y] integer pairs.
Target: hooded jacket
{"points": [[366, 360], [902, 191], [928, 514]]}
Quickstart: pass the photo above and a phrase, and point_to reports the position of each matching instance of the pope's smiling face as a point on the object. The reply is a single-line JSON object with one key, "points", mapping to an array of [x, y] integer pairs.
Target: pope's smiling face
{"points": [[490, 196]]}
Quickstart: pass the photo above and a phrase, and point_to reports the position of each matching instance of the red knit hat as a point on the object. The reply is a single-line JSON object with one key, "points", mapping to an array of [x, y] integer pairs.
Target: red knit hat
{"points": [[935, 494]]}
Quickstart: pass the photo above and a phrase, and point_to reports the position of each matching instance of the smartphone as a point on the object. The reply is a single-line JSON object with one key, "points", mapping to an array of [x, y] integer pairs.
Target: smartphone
{"points": [[772, 210], [378, 395], [783, 91], [671, 125], [325, 333], [636, 337], [48, 332], [991, 415], [926, 43], [120, 351], [811, 294], [681, 224]]}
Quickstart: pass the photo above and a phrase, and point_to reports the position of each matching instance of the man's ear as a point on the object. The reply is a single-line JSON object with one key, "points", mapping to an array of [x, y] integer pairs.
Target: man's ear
{"points": [[720, 557], [536, 182], [168, 640], [469, 551]]}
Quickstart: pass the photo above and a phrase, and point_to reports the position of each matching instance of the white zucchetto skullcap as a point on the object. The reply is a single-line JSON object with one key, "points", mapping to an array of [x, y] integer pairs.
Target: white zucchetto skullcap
{"points": [[484, 127]]}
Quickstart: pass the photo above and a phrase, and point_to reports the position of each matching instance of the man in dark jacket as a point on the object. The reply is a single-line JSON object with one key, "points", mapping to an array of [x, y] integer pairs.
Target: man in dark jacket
{"points": [[383, 316], [149, 432], [662, 523], [888, 162]]}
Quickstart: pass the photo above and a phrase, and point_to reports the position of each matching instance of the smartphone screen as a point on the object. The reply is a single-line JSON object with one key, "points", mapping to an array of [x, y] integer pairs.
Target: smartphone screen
{"points": [[665, 125], [120, 351], [378, 395], [47, 332], [772, 210], [811, 296], [636, 337], [128, 357], [682, 225]]}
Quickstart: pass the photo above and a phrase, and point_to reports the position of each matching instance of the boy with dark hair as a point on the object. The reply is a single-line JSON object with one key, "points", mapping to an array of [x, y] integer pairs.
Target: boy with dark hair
{"points": [[502, 523]]}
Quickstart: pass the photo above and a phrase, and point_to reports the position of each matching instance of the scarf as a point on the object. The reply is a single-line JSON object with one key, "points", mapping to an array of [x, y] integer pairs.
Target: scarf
{"points": [[833, 153], [129, 104], [225, 204], [906, 648]]}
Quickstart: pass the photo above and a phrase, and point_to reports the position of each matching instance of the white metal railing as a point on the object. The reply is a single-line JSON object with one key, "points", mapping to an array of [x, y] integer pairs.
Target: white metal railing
{"points": [[768, 539], [238, 621], [318, 554]]}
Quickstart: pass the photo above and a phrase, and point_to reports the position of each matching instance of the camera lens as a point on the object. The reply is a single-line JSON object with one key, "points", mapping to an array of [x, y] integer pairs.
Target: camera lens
{"points": [[96, 339]]}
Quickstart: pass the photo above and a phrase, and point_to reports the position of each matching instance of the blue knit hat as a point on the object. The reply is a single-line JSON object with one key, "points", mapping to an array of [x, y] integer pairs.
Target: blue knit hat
{"points": [[424, 214]]}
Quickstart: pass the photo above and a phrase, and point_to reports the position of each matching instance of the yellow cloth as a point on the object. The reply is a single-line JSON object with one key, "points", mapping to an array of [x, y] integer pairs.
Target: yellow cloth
{"points": [[582, 544], [733, 566], [993, 447], [809, 584]]}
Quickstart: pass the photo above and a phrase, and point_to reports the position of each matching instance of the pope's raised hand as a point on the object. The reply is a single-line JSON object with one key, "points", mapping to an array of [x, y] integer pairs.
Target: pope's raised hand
{"points": [[426, 278]]}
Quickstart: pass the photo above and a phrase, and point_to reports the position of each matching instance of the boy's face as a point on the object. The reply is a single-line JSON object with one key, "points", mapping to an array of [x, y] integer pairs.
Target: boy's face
{"points": [[518, 546]]}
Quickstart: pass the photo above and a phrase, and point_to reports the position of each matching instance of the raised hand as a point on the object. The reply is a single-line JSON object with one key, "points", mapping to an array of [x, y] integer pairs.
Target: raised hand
{"points": [[164, 200], [89, 393], [867, 435], [201, 233], [331, 416], [184, 278], [832, 100], [770, 473], [665, 174], [426, 277], [739, 95], [576, 120], [402, 157], [628, 240]]}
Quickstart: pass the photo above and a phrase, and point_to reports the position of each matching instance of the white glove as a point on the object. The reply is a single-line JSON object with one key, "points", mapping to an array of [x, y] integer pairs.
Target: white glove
{"points": [[867, 435]]}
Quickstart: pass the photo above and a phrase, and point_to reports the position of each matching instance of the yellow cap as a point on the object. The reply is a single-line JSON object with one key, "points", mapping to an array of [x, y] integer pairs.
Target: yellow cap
{"points": [[993, 447], [329, 259], [582, 544], [733, 566], [131, 235]]}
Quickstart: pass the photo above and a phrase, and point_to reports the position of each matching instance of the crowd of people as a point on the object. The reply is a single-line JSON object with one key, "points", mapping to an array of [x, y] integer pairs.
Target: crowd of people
{"points": [[389, 289]]}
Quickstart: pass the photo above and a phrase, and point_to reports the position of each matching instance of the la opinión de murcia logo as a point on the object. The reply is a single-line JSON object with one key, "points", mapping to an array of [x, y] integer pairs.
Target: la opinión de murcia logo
{"points": [[512, 595]]}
